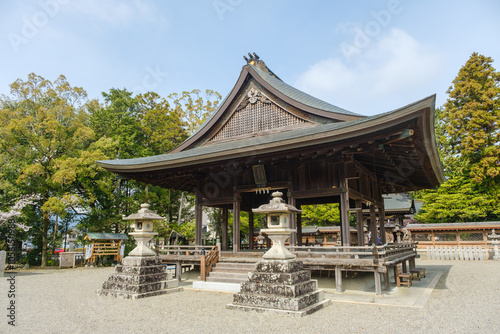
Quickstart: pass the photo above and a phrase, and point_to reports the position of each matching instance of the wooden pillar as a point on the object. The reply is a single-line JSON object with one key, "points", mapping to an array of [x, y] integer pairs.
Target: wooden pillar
{"points": [[411, 263], [225, 219], [373, 224], [387, 284], [299, 228], [293, 236], [236, 224], [397, 238], [378, 283], [359, 222], [338, 279], [198, 214], [250, 229], [344, 208], [178, 271], [381, 215]]}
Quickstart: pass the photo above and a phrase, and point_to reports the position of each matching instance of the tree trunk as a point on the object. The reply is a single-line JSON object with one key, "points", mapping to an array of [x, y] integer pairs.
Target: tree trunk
{"points": [[55, 230], [45, 228]]}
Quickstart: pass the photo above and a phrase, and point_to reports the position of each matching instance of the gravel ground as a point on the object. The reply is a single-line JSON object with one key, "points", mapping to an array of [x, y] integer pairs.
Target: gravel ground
{"points": [[465, 300]]}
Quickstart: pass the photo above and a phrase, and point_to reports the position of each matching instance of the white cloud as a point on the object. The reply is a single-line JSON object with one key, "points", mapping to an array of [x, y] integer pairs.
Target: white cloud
{"points": [[387, 73]]}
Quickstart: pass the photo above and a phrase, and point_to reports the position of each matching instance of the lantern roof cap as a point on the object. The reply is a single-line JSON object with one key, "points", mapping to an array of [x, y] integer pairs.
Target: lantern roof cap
{"points": [[276, 205], [144, 214]]}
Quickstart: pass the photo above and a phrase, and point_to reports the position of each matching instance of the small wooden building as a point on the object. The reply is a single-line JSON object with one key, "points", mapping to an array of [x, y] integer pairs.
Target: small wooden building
{"points": [[104, 244], [267, 136], [453, 234]]}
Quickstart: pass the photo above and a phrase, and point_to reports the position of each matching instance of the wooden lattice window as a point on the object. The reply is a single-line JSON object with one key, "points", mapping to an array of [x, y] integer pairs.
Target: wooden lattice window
{"points": [[474, 236], [256, 114]]}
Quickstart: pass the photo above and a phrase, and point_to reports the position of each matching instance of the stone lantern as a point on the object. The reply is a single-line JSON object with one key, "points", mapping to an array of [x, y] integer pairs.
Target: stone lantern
{"points": [[494, 242], [141, 273], [143, 230], [279, 283], [278, 226]]}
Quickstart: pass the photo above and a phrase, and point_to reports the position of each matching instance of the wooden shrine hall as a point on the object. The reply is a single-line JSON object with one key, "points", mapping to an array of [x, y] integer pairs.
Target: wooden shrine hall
{"points": [[267, 136]]}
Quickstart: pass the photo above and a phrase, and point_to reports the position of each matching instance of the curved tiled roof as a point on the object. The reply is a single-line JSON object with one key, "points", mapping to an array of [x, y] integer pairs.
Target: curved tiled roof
{"points": [[299, 95]]}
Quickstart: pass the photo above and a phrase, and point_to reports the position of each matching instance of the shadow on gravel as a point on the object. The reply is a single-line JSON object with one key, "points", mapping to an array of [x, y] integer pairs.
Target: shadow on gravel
{"points": [[444, 269]]}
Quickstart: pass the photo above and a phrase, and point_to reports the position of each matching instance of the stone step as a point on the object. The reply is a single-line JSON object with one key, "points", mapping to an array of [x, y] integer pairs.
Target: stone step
{"points": [[236, 267], [228, 274], [241, 259], [226, 280]]}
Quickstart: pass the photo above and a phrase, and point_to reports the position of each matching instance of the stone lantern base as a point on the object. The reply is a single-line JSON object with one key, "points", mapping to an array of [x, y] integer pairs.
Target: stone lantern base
{"points": [[139, 277], [280, 286]]}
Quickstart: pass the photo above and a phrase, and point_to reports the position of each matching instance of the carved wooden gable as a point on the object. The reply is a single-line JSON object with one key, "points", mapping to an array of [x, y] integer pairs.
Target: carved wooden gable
{"points": [[256, 113]]}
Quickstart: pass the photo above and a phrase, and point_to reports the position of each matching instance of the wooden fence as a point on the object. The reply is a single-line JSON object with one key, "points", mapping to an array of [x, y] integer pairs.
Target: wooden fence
{"points": [[460, 253]]}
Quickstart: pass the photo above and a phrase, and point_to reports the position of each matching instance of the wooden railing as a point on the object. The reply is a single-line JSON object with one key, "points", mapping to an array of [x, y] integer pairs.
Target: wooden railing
{"points": [[208, 261], [179, 250], [385, 254]]}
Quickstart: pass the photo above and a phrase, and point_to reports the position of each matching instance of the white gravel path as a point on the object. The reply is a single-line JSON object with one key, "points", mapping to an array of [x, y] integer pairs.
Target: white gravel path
{"points": [[466, 299]]}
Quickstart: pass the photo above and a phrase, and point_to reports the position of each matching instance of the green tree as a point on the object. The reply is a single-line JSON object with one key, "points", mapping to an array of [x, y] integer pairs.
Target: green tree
{"points": [[43, 123], [321, 214], [195, 108], [468, 137], [136, 126]]}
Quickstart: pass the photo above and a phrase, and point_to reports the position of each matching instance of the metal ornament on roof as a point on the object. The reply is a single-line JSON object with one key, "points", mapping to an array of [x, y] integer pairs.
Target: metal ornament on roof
{"points": [[278, 223], [143, 230]]}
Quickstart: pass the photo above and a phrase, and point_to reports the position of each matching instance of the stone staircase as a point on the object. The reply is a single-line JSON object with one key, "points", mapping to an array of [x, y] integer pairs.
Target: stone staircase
{"points": [[230, 271]]}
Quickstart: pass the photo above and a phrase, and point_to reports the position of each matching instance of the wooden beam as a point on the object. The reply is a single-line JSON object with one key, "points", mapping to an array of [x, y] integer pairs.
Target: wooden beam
{"points": [[318, 193], [366, 198]]}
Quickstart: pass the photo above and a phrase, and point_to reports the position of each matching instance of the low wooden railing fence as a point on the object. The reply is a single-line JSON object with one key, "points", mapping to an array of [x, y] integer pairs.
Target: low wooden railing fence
{"points": [[208, 261], [180, 250], [460, 253], [385, 254]]}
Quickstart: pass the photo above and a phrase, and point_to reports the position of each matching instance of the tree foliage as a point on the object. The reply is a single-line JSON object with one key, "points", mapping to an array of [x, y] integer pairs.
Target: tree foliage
{"points": [[321, 214], [468, 136], [52, 135], [44, 123]]}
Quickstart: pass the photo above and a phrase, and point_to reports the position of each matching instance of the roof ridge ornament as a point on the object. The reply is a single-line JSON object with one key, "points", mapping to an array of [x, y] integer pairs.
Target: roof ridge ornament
{"points": [[255, 60]]}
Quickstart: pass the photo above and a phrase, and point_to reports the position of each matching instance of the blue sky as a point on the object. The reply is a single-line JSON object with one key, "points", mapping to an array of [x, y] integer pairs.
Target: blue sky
{"points": [[364, 56]]}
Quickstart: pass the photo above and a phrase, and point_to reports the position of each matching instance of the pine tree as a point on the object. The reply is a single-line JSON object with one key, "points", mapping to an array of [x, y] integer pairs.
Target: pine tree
{"points": [[468, 137]]}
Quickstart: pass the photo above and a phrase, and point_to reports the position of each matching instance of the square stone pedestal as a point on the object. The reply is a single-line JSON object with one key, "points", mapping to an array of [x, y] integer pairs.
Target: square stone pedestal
{"points": [[139, 277], [280, 286]]}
